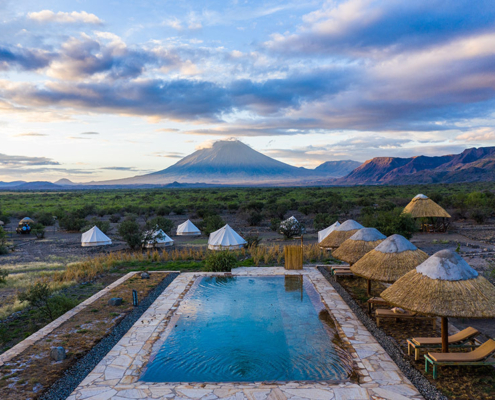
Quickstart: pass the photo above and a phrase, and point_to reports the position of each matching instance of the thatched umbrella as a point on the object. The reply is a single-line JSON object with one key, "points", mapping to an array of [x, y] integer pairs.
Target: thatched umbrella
{"points": [[446, 286], [362, 242], [341, 234], [422, 206], [390, 260]]}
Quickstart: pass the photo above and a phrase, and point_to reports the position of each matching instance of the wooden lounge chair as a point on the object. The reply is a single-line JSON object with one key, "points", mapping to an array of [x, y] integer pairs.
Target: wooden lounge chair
{"points": [[479, 356], [376, 301], [382, 313], [464, 338]]}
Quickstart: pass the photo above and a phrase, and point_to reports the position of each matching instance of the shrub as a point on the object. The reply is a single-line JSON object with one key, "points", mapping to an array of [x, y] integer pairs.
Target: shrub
{"points": [[3, 275], [115, 218], [253, 240], [291, 228], [163, 210], [480, 215], [221, 261], [38, 230], [161, 223], [3, 241], [391, 222], [131, 233], [321, 221], [45, 218], [211, 224], [71, 222], [274, 224], [254, 219]]}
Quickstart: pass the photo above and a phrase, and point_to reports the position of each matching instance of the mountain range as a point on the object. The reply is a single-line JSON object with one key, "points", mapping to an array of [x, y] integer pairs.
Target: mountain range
{"points": [[234, 163]]}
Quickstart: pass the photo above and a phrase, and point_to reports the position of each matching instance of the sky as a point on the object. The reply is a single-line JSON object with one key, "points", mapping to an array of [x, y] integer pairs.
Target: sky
{"points": [[95, 90]]}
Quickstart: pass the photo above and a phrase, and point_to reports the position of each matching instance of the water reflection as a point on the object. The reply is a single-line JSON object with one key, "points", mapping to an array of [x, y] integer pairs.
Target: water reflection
{"points": [[294, 283]]}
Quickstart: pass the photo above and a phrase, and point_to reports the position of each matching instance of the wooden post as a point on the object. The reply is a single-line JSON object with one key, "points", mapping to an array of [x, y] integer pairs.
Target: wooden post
{"points": [[369, 287], [445, 335]]}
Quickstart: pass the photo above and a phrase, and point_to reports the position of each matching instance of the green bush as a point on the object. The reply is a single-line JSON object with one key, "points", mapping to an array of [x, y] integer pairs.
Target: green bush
{"points": [[480, 215], [115, 218], [274, 224], [291, 228], [103, 226], [211, 224], [253, 240], [38, 230], [391, 222], [322, 221], [131, 233], [3, 241], [3, 275], [220, 261], [161, 223], [72, 223], [45, 218], [254, 219]]}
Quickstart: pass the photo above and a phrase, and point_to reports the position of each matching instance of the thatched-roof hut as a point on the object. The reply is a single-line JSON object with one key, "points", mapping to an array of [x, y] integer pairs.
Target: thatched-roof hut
{"points": [[362, 242], [422, 206], [444, 285], [341, 234], [390, 260]]}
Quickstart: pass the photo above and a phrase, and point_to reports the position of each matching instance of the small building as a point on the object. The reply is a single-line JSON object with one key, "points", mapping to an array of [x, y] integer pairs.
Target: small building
{"points": [[225, 239], [160, 239], [95, 237], [188, 229], [432, 216]]}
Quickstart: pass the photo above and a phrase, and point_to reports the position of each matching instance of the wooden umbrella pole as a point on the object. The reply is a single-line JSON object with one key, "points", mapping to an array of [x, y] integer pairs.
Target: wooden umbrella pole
{"points": [[445, 335], [369, 287]]}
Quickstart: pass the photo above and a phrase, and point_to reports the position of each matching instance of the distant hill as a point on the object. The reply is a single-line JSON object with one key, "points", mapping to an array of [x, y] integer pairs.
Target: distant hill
{"points": [[40, 185], [472, 165], [337, 169], [11, 184], [225, 162], [65, 182]]}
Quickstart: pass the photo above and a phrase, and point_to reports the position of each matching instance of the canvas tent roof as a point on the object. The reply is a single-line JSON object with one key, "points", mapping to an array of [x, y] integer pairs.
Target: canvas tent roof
{"points": [[160, 239], [327, 231], [422, 206], [225, 239], [94, 237], [340, 234], [188, 229]]}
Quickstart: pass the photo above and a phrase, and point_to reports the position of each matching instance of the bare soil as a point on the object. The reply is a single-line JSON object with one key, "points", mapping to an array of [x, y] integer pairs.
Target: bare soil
{"points": [[29, 374]]}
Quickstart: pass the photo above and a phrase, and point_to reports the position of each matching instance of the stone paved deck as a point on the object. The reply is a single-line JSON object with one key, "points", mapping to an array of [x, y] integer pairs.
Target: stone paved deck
{"points": [[117, 375]]}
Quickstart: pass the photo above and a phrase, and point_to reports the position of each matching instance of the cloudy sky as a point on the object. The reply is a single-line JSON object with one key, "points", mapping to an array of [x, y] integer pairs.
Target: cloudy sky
{"points": [[95, 90]]}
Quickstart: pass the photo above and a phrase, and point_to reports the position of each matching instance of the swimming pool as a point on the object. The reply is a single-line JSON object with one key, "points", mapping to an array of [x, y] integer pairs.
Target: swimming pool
{"points": [[240, 329]]}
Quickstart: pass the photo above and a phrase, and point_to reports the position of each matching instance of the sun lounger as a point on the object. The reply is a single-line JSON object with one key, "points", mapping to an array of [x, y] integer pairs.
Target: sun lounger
{"points": [[376, 301], [464, 338], [479, 356], [381, 313]]}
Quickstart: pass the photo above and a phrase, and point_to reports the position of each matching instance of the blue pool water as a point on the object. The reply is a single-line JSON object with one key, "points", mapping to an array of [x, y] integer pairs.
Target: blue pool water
{"points": [[234, 329]]}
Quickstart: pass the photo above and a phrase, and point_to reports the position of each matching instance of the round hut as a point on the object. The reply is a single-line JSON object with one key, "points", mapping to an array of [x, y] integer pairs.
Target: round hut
{"points": [[362, 242], [341, 234], [327, 231], [423, 207], [390, 260], [445, 286]]}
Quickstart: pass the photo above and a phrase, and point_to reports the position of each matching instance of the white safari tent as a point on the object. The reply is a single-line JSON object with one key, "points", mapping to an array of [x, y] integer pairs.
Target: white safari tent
{"points": [[94, 237], [225, 239], [327, 231], [160, 239], [188, 229]]}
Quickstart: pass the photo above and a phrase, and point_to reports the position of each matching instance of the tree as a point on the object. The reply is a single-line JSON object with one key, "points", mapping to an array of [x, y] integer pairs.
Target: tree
{"points": [[38, 296], [211, 224], [132, 234], [3, 241], [103, 226], [254, 218], [392, 222], [291, 228], [162, 223], [38, 230]]}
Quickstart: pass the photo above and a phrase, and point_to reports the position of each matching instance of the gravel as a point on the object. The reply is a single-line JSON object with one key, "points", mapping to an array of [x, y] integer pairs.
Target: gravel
{"points": [[74, 375], [427, 390]]}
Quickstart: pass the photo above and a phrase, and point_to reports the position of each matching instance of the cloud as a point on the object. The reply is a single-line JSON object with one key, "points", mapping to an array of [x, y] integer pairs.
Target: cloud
{"points": [[31, 134], [170, 154], [25, 161], [24, 59], [64, 17], [478, 135], [119, 168], [89, 133], [357, 26], [167, 130]]}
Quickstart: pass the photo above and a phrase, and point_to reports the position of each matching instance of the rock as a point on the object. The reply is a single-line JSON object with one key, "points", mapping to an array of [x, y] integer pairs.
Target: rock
{"points": [[145, 275], [115, 301], [58, 353]]}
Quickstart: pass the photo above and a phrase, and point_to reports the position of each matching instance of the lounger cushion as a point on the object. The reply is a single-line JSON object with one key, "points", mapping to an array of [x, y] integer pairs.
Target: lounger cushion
{"points": [[459, 337], [480, 354], [382, 313]]}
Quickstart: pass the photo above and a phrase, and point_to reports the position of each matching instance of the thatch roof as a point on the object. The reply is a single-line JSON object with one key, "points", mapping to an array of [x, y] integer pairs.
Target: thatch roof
{"points": [[341, 234], [422, 207], [390, 260], [354, 248], [446, 286]]}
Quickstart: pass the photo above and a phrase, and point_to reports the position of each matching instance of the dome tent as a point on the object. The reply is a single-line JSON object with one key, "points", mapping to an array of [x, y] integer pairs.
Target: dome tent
{"points": [[340, 234], [225, 239], [159, 239], [188, 229], [94, 237], [327, 231]]}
